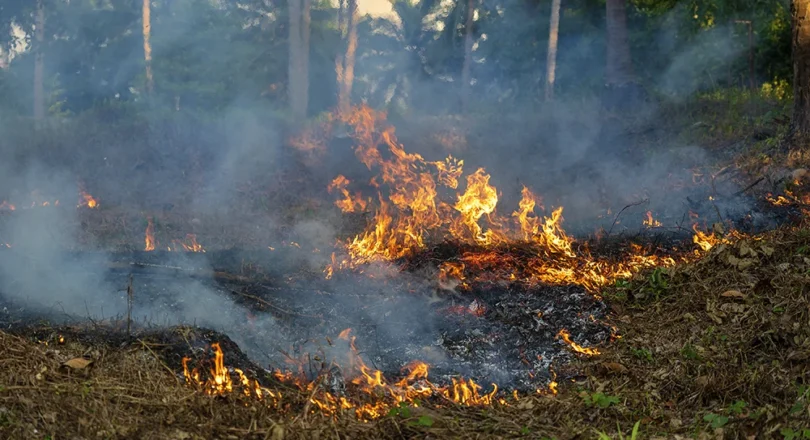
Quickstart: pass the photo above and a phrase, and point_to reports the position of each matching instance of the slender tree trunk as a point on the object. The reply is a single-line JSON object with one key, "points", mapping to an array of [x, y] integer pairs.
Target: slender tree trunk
{"points": [[298, 68], [551, 58], [294, 63], [39, 64], [147, 46], [466, 76], [344, 62], [303, 86], [800, 126], [619, 71]]}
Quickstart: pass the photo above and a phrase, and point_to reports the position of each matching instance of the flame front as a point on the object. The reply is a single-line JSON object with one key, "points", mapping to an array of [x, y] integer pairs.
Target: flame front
{"points": [[409, 211], [149, 236], [190, 244], [372, 395]]}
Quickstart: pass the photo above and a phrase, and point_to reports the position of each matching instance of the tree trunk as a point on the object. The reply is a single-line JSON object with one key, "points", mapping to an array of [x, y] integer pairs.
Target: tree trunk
{"points": [[551, 58], [39, 64], [298, 68], [466, 76], [344, 62], [147, 47], [800, 127], [619, 69]]}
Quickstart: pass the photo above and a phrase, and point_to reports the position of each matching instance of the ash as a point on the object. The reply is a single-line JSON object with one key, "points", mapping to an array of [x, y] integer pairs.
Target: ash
{"points": [[502, 333]]}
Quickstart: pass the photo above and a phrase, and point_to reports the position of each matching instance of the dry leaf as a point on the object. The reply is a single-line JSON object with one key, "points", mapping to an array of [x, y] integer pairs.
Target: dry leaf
{"points": [[733, 294], [615, 367], [78, 363], [277, 433]]}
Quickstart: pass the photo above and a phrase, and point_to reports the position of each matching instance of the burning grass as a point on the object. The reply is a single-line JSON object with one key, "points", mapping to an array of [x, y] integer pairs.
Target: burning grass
{"points": [[714, 348]]}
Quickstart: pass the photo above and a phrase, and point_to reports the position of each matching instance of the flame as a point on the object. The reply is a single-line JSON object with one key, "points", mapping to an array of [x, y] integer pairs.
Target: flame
{"points": [[220, 381], [348, 203], [369, 394], [87, 200], [566, 337], [149, 236], [189, 244], [6, 206], [650, 222], [409, 212]]}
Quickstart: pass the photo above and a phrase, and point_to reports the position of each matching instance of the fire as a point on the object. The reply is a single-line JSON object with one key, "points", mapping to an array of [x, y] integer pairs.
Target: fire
{"points": [[566, 337], [650, 222], [87, 200], [149, 236], [369, 395], [348, 203], [220, 381], [6, 206], [409, 212], [189, 244]]}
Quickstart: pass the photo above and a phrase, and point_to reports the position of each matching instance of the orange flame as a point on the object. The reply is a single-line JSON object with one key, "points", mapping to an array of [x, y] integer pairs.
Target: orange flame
{"points": [[189, 244], [650, 222], [410, 211], [348, 203], [566, 337], [364, 382], [149, 236], [87, 200]]}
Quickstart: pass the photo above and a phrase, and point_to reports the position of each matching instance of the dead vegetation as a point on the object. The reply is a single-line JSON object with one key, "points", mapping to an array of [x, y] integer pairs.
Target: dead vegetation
{"points": [[719, 348]]}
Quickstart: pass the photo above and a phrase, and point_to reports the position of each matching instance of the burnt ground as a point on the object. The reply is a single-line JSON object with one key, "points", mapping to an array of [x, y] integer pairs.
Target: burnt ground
{"points": [[719, 349], [493, 332]]}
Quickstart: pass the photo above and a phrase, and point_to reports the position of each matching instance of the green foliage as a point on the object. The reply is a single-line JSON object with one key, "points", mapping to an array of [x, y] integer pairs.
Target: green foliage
{"points": [[210, 56], [643, 354], [715, 420], [599, 400], [795, 434], [689, 352]]}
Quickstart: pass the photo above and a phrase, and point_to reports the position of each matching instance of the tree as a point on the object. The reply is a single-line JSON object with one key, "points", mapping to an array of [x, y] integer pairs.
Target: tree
{"points": [[344, 62], [39, 63], [800, 127], [468, 47], [619, 65], [551, 58], [147, 47], [298, 68]]}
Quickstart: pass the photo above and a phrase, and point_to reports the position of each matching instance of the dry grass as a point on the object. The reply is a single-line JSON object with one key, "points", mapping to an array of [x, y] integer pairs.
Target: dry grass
{"points": [[715, 349]]}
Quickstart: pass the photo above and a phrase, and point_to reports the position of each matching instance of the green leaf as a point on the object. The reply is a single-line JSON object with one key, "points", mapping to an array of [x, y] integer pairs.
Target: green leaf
{"points": [[425, 421]]}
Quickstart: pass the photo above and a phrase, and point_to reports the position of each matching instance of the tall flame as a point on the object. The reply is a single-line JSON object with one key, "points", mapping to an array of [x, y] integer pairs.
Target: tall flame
{"points": [[149, 236], [409, 211]]}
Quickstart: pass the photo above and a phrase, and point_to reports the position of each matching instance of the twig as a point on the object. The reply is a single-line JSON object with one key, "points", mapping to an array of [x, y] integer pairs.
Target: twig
{"points": [[130, 295], [172, 372], [641, 202], [271, 305], [756, 182]]}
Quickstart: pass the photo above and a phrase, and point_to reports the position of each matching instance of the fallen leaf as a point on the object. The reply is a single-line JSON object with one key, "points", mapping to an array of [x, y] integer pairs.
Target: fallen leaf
{"points": [[277, 433], [77, 363], [733, 294], [615, 367]]}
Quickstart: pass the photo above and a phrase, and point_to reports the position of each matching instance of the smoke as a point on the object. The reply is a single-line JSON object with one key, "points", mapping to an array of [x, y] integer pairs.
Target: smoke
{"points": [[211, 147], [38, 270]]}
